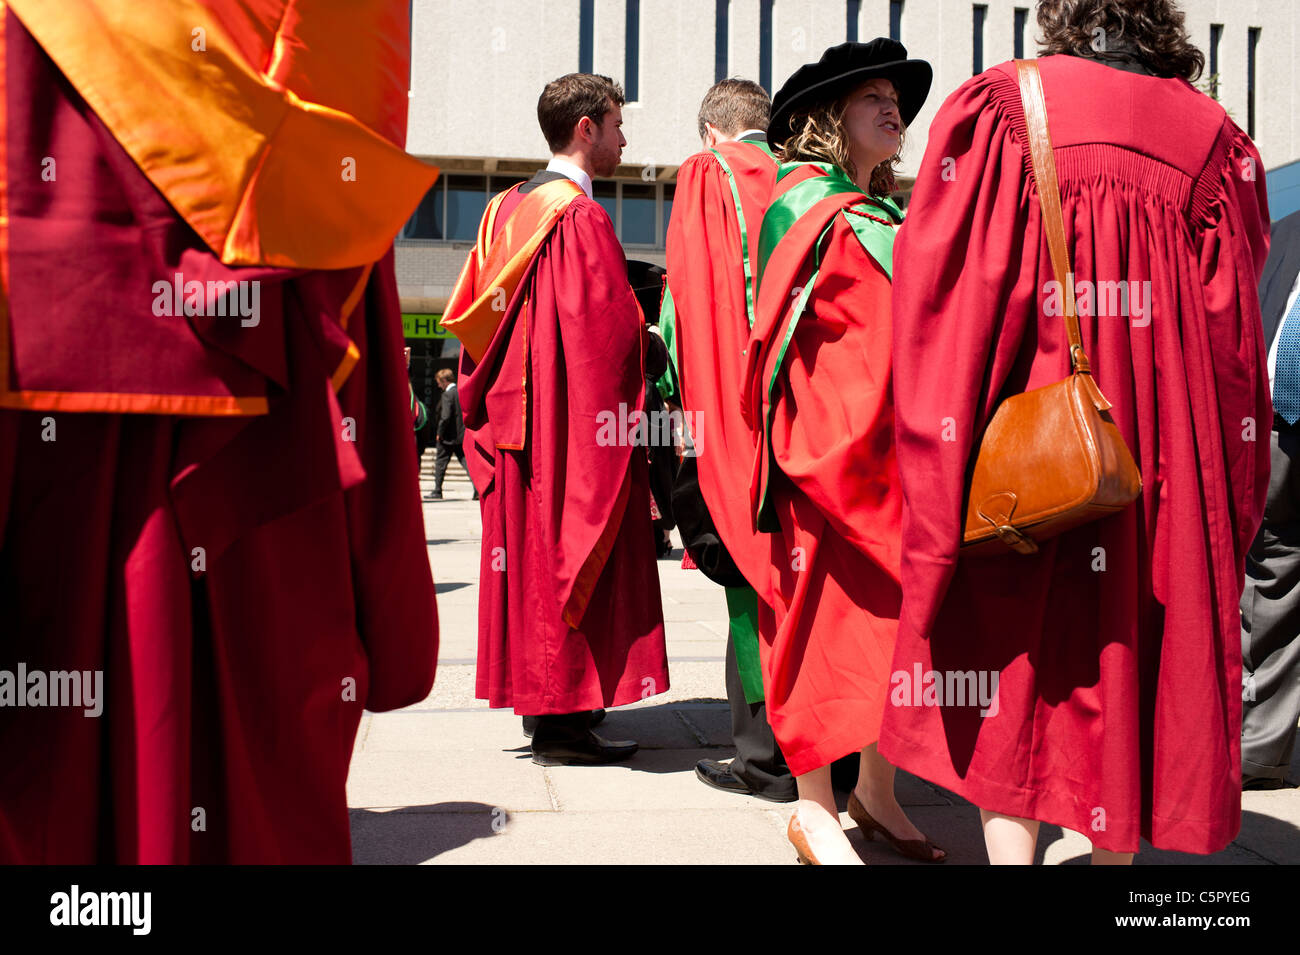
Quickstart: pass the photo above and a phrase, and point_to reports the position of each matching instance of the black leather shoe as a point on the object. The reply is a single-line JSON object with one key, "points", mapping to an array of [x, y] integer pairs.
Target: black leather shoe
{"points": [[719, 776], [530, 722], [589, 750], [1258, 783]]}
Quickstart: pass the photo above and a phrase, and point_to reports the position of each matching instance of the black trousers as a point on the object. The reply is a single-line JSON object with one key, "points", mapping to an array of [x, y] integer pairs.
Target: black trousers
{"points": [[1270, 620], [442, 457], [758, 763]]}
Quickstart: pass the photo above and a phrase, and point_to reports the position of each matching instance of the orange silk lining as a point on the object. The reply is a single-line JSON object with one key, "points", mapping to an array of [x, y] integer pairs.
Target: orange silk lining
{"points": [[126, 402], [584, 585], [262, 175]]}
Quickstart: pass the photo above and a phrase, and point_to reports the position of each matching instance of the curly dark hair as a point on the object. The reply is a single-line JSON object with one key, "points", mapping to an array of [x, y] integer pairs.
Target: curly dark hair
{"points": [[1153, 31]]}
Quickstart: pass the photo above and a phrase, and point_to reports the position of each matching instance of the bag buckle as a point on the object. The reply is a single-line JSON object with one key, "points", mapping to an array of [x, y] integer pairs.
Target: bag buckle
{"points": [[1015, 539]]}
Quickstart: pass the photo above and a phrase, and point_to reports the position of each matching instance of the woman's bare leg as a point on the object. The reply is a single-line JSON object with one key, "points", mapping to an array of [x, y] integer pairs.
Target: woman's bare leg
{"points": [[1106, 857], [1010, 840], [875, 790], [820, 819]]}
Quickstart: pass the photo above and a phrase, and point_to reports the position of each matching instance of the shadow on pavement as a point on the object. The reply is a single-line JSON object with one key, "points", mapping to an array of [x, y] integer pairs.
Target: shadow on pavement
{"points": [[671, 735], [1263, 840], [414, 834]]}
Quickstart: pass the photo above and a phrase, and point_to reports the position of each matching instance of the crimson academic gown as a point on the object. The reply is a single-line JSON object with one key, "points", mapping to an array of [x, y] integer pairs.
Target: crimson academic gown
{"points": [[570, 615], [721, 196], [825, 484], [1117, 646], [714, 309], [243, 557]]}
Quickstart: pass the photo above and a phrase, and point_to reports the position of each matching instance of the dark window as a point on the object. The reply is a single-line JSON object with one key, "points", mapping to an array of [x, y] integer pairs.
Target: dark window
{"points": [[1252, 42], [895, 19], [1216, 34], [586, 34], [606, 193], [426, 222], [978, 15], [765, 44], [851, 16], [720, 28], [466, 200], [502, 183], [1018, 36], [632, 52], [669, 189], [638, 213]]}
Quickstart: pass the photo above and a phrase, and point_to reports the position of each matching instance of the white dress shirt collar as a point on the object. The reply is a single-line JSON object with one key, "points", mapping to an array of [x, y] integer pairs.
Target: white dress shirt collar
{"points": [[565, 168]]}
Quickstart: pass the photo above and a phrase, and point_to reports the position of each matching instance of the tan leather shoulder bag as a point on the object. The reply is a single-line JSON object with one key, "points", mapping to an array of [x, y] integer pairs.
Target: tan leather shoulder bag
{"points": [[1050, 459]]}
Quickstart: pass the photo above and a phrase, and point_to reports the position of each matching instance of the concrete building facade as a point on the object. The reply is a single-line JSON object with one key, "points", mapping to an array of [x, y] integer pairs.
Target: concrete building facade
{"points": [[478, 68]]}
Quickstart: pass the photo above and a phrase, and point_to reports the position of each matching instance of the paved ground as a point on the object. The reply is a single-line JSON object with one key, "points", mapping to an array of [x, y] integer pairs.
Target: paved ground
{"points": [[450, 781]]}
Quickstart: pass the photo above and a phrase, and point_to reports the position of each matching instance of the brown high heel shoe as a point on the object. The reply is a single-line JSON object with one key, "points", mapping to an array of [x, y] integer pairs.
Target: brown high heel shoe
{"points": [[922, 850], [794, 832]]}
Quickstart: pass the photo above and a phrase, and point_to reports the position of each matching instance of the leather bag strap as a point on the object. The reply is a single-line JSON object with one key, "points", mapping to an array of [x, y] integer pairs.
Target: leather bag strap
{"points": [[1049, 201]]}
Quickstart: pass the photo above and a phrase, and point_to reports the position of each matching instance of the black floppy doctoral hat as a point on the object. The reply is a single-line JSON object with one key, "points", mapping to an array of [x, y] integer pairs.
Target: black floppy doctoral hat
{"points": [[839, 70], [647, 281]]}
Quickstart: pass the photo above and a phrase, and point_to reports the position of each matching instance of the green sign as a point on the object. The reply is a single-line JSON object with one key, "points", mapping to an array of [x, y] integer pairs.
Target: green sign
{"points": [[423, 326]]}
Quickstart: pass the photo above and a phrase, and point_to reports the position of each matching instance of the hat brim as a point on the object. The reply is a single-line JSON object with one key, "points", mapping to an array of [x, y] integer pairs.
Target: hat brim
{"points": [[912, 79]]}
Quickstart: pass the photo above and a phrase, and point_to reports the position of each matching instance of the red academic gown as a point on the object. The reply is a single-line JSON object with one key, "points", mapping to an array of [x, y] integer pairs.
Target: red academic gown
{"points": [[570, 615], [1118, 645], [827, 638], [246, 583], [712, 331]]}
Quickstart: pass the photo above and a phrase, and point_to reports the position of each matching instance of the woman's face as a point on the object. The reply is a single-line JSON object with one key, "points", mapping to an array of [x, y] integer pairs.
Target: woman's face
{"points": [[872, 125]]}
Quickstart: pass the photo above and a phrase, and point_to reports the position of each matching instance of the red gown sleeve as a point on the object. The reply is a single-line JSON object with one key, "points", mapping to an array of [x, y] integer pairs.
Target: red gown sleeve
{"points": [[703, 209], [955, 296], [397, 612], [710, 337], [595, 335], [1232, 248]]}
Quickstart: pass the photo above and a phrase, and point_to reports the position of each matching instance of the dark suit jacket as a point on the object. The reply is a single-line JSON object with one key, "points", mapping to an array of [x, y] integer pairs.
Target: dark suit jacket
{"points": [[451, 423], [1279, 273]]}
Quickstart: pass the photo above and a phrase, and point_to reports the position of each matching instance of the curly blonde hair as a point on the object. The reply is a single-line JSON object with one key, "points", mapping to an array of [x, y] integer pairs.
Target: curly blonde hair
{"points": [[820, 136]]}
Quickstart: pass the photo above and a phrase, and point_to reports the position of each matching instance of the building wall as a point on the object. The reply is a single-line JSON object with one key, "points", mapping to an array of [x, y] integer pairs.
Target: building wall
{"points": [[478, 68]]}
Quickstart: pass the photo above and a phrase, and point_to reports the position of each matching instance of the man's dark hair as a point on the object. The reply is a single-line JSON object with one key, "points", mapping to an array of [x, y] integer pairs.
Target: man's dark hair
{"points": [[1152, 31], [565, 101], [733, 106]]}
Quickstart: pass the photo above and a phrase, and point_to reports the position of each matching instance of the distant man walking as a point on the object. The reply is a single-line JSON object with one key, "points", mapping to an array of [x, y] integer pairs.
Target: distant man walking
{"points": [[450, 432]]}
